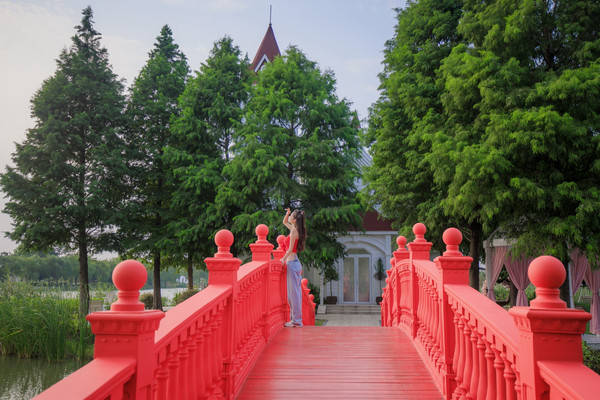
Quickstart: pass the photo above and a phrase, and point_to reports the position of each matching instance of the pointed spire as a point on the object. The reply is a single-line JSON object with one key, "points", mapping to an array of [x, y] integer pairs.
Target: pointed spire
{"points": [[268, 49]]}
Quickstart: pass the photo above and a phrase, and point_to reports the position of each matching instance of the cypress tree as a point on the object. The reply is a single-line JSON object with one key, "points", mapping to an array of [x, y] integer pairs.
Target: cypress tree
{"points": [[66, 180], [152, 104], [298, 147]]}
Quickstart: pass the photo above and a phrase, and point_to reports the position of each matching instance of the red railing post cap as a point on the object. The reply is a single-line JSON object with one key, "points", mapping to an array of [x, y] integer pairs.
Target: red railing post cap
{"points": [[223, 240], [129, 275], [401, 242], [452, 237], [262, 231], [280, 241], [419, 230], [547, 274]]}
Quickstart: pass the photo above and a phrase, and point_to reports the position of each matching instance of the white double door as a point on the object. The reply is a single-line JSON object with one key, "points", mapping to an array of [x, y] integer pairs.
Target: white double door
{"points": [[356, 279]]}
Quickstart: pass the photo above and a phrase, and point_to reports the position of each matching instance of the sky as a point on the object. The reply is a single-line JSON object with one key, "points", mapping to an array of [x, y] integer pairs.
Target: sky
{"points": [[345, 36]]}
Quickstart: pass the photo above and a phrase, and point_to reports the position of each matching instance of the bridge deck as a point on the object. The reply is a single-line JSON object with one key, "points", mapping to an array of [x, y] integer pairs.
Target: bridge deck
{"points": [[340, 363]]}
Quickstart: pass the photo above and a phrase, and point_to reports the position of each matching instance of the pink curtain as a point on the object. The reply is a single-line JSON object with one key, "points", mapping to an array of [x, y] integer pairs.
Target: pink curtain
{"points": [[496, 263], [517, 271], [592, 278], [579, 266]]}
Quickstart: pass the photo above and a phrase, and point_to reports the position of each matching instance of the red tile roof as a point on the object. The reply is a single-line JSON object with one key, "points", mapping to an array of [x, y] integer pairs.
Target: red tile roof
{"points": [[372, 221], [268, 47]]}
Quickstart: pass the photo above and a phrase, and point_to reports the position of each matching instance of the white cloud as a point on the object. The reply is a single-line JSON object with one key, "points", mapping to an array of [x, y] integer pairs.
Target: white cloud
{"points": [[31, 38]]}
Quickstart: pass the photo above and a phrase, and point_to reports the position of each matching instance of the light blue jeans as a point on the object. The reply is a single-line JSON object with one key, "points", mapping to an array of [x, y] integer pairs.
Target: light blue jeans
{"points": [[294, 290]]}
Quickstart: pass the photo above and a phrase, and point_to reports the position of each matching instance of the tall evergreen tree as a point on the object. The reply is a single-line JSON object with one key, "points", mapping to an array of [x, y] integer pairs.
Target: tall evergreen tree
{"points": [[152, 103], [212, 108], [298, 147], [66, 180], [527, 87], [408, 115]]}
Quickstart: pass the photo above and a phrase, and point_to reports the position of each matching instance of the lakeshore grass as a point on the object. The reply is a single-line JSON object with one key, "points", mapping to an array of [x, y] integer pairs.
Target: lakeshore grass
{"points": [[41, 322]]}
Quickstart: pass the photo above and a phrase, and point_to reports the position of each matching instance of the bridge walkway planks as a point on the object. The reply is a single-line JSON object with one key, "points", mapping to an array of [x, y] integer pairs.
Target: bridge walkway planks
{"points": [[321, 362]]}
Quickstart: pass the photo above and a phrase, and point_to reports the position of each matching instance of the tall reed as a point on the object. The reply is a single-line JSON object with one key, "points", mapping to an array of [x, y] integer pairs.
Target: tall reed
{"points": [[40, 322]]}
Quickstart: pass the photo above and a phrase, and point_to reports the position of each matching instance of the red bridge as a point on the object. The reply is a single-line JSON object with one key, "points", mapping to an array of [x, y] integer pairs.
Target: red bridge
{"points": [[440, 338]]}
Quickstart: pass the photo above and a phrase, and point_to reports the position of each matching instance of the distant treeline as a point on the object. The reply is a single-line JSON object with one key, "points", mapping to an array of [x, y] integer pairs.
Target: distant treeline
{"points": [[53, 268]]}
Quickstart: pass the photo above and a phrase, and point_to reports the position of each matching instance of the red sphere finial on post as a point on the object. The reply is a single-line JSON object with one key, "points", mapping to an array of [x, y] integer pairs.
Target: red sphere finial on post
{"points": [[547, 274], [452, 237], [223, 240], [129, 277], [419, 230], [401, 242], [261, 232], [280, 242]]}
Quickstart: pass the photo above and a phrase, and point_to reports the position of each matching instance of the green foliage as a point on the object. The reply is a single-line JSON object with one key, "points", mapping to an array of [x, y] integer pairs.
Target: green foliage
{"points": [[44, 267], [65, 182], [152, 104], [408, 115], [41, 322], [487, 121], [183, 296], [147, 299], [211, 108], [591, 357], [297, 147], [522, 112], [315, 291]]}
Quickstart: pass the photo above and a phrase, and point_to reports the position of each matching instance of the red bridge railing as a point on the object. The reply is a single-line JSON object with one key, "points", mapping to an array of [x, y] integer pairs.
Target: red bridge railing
{"points": [[204, 347], [473, 348]]}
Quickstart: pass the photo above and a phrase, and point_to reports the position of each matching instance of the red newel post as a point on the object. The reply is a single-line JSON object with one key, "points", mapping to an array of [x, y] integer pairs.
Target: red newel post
{"points": [[418, 250], [454, 269], [393, 309], [401, 252], [127, 330], [261, 251], [549, 331], [222, 270], [281, 269]]}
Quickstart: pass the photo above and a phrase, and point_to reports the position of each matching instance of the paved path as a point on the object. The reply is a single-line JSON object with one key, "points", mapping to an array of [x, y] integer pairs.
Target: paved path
{"points": [[334, 362], [350, 319]]}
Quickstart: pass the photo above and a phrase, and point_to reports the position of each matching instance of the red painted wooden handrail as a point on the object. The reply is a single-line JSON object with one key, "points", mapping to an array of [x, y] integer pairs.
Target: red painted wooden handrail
{"points": [[473, 348], [204, 347]]}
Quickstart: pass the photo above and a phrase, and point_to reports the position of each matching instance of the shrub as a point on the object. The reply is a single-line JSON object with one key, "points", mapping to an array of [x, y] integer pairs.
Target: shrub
{"points": [[147, 299], [591, 357], [183, 296], [501, 292]]}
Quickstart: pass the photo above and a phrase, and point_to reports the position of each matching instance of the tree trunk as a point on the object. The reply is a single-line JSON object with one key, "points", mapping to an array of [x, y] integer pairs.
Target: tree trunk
{"points": [[84, 289], [157, 301], [190, 271], [476, 233], [565, 294]]}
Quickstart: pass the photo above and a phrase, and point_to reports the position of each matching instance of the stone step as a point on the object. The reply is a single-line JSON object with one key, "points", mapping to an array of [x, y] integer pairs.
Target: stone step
{"points": [[353, 309]]}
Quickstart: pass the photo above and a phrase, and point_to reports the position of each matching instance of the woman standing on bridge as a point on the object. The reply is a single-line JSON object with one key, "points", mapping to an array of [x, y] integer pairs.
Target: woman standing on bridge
{"points": [[295, 243]]}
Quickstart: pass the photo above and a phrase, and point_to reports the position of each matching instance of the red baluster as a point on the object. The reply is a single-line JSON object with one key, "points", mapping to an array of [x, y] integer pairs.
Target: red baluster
{"points": [[499, 367], [173, 365], [482, 372], [474, 361], [491, 377]]}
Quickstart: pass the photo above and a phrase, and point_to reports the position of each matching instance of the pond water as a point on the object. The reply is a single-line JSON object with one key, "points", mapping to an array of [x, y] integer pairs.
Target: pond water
{"points": [[23, 379]]}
